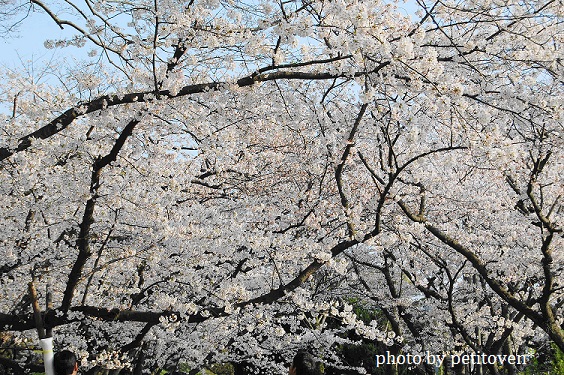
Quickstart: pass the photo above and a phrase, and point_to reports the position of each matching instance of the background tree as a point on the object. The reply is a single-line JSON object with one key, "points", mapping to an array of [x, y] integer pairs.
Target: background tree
{"points": [[218, 178]]}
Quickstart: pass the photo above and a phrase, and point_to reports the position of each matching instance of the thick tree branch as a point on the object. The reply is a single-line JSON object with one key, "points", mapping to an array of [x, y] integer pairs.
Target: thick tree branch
{"points": [[107, 101], [341, 166], [83, 241], [302, 277], [547, 323], [11, 322]]}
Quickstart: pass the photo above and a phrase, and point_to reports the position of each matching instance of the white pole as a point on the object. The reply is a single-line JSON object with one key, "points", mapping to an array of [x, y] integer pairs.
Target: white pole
{"points": [[47, 346]]}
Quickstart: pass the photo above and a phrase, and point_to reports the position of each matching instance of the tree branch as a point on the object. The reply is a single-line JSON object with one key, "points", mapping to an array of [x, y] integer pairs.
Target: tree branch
{"points": [[83, 241], [107, 101]]}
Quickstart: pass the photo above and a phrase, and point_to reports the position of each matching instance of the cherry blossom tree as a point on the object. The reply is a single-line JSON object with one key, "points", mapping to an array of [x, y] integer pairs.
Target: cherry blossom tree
{"points": [[218, 179]]}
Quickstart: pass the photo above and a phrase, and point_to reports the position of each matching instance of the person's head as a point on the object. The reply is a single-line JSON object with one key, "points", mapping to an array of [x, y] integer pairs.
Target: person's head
{"points": [[304, 364], [65, 363]]}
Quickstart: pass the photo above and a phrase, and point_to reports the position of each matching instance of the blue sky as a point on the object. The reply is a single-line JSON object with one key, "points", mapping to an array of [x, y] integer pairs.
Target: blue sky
{"points": [[26, 44]]}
